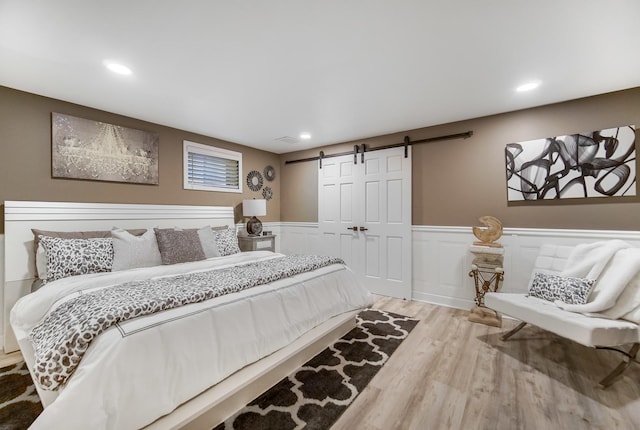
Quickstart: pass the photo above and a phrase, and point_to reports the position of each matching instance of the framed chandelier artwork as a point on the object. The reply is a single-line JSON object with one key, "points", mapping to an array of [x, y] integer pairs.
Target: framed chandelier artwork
{"points": [[596, 164], [86, 149]]}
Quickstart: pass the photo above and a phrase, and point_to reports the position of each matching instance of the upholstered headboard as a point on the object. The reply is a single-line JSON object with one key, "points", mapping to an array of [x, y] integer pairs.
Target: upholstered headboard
{"points": [[22, 216]]}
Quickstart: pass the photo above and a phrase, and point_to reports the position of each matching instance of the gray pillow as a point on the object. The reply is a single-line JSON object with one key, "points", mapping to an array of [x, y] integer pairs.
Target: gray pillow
{"points": [[130, 251], [72, 257], [179, 246], [569, 290]]}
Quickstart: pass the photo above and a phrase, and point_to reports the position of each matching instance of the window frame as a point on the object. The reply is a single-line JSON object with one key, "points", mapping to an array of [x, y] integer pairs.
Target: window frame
{"points": [[213, 151]]}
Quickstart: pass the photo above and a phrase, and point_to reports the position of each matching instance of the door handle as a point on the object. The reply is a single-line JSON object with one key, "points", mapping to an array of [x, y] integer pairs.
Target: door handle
{"points": [[354, 228], [363, 229]]}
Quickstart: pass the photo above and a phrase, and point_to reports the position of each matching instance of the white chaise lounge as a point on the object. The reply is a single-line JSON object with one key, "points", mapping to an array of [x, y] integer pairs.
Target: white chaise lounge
{"points": [[591, 331]]}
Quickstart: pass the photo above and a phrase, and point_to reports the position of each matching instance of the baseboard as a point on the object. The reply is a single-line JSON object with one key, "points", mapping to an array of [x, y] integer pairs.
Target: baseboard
{"points": [[449, 302]]}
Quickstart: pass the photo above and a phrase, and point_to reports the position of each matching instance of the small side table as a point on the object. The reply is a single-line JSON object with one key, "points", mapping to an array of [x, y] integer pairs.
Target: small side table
{"points": [[487, 274], [257, 243]]}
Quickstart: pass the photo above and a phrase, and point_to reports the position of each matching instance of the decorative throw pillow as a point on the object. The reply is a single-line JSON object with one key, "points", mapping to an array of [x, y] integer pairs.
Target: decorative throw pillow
{"points": [[227, 241], [208, 241], [179, 246], [565, 289], [130, 251], [72, 257]]}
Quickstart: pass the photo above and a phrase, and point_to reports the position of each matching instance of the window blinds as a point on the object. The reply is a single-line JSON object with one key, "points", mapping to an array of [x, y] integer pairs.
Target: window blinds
{"points": [[211, 171]]}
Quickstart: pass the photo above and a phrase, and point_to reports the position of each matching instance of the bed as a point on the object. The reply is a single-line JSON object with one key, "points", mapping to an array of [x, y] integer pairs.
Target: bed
{"points": [[189, 365]]}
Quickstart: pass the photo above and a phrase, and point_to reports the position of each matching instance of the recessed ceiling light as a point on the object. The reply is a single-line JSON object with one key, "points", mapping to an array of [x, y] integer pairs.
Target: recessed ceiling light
{"points": [[117, 68], [528, 86], [305, 136]]}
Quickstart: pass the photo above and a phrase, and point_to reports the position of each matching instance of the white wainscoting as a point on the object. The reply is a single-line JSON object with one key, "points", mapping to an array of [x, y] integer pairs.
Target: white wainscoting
{"points": [[300, 238], [441, 257], [2, 292]]}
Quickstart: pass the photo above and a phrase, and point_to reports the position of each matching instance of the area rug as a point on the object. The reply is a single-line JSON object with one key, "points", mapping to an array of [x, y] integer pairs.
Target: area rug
{"points": [[312, 397], [19, 402]]}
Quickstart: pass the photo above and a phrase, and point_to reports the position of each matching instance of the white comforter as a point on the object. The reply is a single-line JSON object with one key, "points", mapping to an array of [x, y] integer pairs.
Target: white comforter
{"points": [[142, 369]]}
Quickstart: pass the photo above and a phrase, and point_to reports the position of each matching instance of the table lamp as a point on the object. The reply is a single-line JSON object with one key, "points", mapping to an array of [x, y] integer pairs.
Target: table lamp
{"points": [[253, 208]]}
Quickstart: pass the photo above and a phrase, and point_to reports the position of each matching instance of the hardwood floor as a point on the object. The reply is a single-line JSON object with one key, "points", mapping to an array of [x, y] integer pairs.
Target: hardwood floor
{"points": [[9, 359], [454, 374]]}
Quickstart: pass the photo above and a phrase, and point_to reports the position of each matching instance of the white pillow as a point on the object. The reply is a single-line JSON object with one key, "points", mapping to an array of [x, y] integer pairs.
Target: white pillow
{"points": [[208, 242], [130, 252], [41, 262]]}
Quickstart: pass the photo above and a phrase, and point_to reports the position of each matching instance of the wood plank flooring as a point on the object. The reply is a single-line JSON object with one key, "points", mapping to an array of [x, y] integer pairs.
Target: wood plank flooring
{"points": [[9, 359], [454, 374]]}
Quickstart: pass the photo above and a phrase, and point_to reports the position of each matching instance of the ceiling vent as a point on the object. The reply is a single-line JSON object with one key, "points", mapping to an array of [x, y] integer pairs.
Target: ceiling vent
{"points": [[287, 139]]}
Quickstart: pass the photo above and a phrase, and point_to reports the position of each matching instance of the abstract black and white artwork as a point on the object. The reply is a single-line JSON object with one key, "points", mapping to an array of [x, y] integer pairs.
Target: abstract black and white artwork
{"points": [[85, 149], [596, 164]]}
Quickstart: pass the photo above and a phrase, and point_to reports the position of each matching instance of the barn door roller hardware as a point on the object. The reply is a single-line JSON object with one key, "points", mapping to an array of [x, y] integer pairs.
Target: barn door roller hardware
{"points": [[407, 142]]}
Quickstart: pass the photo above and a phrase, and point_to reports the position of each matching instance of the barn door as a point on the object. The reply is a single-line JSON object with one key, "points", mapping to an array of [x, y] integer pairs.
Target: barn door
{"points": [[373, 196]]}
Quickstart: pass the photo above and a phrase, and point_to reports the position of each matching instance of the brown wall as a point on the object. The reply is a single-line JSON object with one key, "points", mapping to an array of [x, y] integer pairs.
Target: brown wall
{"points": [[25, 161], [455, 182]]}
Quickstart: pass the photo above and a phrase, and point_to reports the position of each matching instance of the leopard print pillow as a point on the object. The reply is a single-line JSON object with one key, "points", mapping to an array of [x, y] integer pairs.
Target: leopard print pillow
{"points": [[569, 290], [72, 257], [227, 242]]}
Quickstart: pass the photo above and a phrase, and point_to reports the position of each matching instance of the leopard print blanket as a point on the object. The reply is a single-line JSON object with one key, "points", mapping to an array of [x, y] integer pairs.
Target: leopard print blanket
{"points": [[62, 337]]}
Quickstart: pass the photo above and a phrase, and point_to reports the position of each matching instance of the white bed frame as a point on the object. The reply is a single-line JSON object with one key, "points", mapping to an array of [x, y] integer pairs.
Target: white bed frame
{"points": [[220, 401]]}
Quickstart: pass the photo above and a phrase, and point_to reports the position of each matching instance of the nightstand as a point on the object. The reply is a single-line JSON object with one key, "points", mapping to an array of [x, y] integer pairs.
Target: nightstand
{"points": [[257, 243]]}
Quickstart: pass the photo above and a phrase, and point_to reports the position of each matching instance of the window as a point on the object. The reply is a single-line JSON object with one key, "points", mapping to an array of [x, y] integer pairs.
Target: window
{"points": [[211, 169]]}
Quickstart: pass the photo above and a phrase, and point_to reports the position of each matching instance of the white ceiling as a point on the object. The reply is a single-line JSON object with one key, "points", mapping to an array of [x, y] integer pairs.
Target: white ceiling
{"points": [[254, 71]]}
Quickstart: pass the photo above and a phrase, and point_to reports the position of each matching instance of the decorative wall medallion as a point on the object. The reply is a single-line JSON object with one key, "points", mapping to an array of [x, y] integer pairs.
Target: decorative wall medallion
{"points": [[269, 173], [267, 193], [254, 180]]}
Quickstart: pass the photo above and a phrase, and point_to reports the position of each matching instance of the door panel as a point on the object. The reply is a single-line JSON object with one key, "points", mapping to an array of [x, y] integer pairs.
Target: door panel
{"points": [[372, 166], [372, 202], [346, 207], [394, 163], [395, 258], [372, 256], [350, 250], [394, 202], [328, 213]]}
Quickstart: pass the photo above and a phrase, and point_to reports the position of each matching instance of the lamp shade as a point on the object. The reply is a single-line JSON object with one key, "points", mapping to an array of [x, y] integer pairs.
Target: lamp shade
{"points": [[254, 207]]}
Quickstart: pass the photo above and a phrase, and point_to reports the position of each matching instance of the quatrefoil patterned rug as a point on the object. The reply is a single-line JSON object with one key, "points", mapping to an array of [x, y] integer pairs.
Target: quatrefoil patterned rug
{"points": [[19, 402], [314, 396]]}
